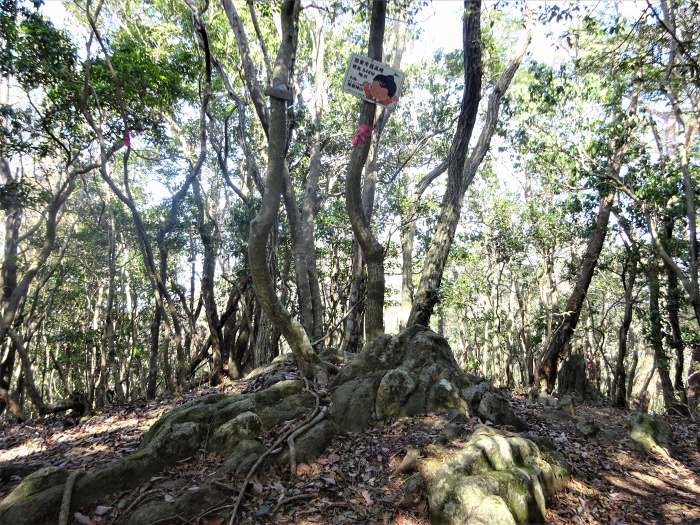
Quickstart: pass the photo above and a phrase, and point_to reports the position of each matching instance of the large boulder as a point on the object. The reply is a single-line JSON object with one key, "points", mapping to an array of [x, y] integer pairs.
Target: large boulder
{"points": [[494, 407], [650, 433], [496, 478], [413, 373]]}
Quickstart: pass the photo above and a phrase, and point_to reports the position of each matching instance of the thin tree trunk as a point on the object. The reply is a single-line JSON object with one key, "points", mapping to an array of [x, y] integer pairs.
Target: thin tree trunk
{"points": [[661, 360], [207, 234], [435, 260], [353, 324], [673, 297], [263, 222], [547, 369], [309, 203], [633, 365], [108, 355], [408, 233], [152, 378], [372, 250], [96, 352], [619, 389]]}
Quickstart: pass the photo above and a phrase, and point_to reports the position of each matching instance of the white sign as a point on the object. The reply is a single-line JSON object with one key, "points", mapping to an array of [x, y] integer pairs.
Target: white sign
{"points": [[372, 80]]}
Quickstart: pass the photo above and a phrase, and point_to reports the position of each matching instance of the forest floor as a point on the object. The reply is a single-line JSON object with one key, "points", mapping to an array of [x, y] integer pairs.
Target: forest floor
{"points": [[357, 480]]}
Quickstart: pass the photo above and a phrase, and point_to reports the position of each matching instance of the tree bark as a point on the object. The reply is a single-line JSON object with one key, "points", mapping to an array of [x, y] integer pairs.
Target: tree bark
{"points": [[661, 360], [426, 296], [261, 225], [152, 377], [207, 234], [673, 297], [8, 279], [629, 275], [372, 250], [561, 336], [633, 366]]}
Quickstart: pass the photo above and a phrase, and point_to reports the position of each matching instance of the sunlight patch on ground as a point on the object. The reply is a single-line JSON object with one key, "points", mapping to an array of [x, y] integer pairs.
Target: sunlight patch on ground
{"points": [[27, 448]]}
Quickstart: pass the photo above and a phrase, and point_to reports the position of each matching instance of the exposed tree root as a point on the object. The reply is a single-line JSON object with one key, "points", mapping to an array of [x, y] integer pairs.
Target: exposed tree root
{"points": [[288, 435], [411, 374], [284, 501], [64, 516], [297, 432]]}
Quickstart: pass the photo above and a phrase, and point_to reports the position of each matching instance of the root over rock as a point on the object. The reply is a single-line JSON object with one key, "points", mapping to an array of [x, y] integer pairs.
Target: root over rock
{"points": [[496, 479], [411, 374]]}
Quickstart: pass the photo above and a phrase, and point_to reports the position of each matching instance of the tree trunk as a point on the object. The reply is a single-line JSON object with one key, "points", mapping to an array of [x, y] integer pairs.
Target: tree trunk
{"points": [[676, 337], [8, 279], [619, 389], [309, 203], [152, 379], [633, 366], [561, 336], [356, 300], [261, 225], [435, 260], [207, 234], [661, 360], [372, 250], [306, 307], [109, 364]]}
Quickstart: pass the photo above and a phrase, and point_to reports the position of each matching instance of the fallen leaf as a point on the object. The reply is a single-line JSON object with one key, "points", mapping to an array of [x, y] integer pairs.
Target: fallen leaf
{"points": [[304, 470], [366, 496]]}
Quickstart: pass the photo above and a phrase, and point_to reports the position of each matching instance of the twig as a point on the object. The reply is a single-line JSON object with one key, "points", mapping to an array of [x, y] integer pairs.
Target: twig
{"points": [[271, 450], [213, 509], [140, 498], [284, 501], [67, 494]]}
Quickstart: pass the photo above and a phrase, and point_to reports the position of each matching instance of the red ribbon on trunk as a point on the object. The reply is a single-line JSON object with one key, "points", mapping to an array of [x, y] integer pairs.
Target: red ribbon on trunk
{"points": [[361, 135]]}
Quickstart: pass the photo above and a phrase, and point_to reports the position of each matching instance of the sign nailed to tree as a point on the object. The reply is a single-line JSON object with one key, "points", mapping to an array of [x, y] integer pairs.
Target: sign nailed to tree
{"points": [[372, 80]]}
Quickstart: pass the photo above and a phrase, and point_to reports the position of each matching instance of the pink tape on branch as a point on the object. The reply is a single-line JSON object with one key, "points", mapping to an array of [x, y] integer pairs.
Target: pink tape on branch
{"points": [[361, 135], [127, 139]]}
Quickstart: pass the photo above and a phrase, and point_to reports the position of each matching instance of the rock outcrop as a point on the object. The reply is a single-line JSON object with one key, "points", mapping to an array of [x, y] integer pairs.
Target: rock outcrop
{"points": [[411, 374], [496, 478], [650, 433]]}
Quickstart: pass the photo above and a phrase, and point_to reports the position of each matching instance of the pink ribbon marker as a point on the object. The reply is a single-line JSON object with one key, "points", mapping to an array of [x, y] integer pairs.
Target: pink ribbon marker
{"points": [[127, 139], [362, 134]]}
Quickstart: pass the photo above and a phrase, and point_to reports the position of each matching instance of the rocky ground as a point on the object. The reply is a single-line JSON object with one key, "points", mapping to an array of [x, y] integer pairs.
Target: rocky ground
{"points": [[362, 477]]}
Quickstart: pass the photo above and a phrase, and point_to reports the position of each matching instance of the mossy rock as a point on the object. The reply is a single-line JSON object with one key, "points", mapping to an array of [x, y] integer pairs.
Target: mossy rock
{"points": [[242, 457], [246, 425], [650, 433], [394, 388], [411, 374], [493, 473], [180, 434], [495, 408]]}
